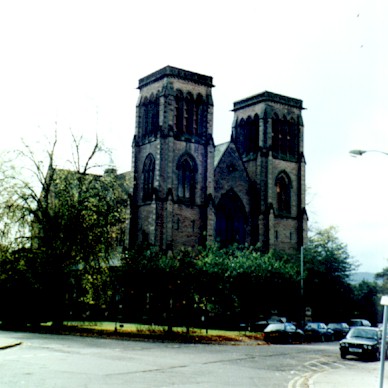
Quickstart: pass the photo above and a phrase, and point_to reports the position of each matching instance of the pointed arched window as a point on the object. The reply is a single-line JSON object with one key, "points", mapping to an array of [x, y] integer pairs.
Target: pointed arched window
{"points": [[252, 135], [283, 193], [200, 118], [148, 177], [149, 117], [179, 112], [293, 133], [187, 171], [285, 138], [189, 114], [231, 219], [276, 134], [241, 136]]}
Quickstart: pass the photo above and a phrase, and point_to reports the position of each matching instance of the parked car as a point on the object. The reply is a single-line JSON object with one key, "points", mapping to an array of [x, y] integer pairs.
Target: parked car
{"points": [[362, 342], [340, 329], [318, 331], [284, 333], [359, 322], [261, 325]]}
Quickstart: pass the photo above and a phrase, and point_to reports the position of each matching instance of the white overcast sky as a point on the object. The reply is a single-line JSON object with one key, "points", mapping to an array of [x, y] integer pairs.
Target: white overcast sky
{"points": [[76, 65]]}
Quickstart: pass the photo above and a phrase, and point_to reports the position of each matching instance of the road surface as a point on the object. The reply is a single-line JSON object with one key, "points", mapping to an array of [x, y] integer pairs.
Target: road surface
{"points": [[47, 361]]}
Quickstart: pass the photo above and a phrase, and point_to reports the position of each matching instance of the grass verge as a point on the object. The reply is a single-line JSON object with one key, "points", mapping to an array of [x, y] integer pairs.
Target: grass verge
{"points": [[134, 331]]}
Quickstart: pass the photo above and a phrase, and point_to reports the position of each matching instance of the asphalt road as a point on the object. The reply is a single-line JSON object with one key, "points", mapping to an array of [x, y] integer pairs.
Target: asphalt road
{"points": [[48, 361]]}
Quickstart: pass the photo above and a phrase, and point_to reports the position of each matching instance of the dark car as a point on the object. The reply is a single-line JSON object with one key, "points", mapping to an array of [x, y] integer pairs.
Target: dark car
{"points": [[318, 331], [362, 342], [282, 333], [359, 322], [340, 329]]}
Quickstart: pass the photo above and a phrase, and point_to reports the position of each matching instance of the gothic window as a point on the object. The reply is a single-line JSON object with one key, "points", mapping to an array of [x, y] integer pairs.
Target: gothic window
{"points": [[247, 135], [149, 117], [231, 219], [283, 193], [154, 119], [276, 135], [240, 136], [179, 112], [143, 118], [187, 171], [294, 138], [252, 135], [285, 138], [189, 114], [148, 177], [200, 118]]}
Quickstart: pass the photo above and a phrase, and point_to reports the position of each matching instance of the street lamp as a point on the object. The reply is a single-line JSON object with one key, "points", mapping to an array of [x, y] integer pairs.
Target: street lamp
{"points": [[362, 152], [384, 298]]}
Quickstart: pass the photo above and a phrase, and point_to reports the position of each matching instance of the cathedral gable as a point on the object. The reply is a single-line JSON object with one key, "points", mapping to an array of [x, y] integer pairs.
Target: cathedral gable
{"points": [[230, 172]]}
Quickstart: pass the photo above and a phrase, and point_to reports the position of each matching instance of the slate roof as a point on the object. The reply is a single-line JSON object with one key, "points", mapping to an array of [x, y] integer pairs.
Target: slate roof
{"points": [[219, 151]]}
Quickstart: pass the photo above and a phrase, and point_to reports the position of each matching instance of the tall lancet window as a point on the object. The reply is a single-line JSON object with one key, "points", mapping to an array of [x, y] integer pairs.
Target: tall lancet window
{"points": [[200, 117], [179, 112], [187, 171], [283, 193], [148, 177]]}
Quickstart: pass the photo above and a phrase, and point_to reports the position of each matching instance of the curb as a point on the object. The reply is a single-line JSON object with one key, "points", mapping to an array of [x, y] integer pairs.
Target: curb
{"points": [[10, 345]]}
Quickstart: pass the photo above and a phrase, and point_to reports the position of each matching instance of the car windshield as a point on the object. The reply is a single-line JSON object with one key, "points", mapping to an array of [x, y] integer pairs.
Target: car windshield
{"points": [[359, 322], [336, 326], [274, 327], [316, 325], [364, 333]]}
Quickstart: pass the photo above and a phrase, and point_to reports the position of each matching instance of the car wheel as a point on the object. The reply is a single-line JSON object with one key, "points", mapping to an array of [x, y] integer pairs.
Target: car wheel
{"points": [[322, 338], [377, 355], [343, 355]]}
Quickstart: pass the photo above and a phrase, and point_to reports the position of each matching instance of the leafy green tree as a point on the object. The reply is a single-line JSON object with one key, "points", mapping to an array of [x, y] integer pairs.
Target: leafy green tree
{"points": [[165, 283], [248, 283], [382, 278], [225, 286], [366, 306], [381, 281], [328, 266], [238, 284]]}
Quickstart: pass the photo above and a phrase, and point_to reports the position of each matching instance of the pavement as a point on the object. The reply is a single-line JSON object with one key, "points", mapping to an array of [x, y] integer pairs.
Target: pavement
{"points": [[358, 375]]}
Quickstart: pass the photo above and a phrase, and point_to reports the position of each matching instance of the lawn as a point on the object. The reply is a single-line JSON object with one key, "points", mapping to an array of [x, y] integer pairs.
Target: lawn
{"points": [[160, 333]]}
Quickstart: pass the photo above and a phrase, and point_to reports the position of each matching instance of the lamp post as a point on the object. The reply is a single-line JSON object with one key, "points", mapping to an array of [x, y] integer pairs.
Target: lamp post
{"points": [[384, 299], [301, 287]]}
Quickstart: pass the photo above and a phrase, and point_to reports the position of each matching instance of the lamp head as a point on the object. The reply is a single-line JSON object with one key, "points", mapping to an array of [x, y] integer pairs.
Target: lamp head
{"points": [[357, 152]]}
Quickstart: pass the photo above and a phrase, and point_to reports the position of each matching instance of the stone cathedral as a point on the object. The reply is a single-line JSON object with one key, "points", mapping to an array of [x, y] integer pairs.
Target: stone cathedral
{"points": [[188, 191]]}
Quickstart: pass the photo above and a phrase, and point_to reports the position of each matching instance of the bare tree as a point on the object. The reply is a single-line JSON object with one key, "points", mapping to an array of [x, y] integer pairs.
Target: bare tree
{"points": [[69, 224]]}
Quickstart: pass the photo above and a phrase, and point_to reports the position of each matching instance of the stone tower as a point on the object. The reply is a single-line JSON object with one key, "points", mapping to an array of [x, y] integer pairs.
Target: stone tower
{"points": [[173, 160], [268, 134]]}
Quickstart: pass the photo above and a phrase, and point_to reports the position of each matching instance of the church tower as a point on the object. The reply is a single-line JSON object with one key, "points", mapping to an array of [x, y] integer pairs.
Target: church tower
{"points": [[173, 159], [268, 134]]}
